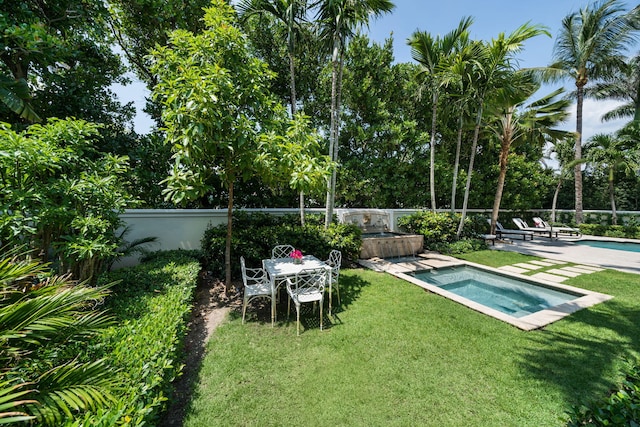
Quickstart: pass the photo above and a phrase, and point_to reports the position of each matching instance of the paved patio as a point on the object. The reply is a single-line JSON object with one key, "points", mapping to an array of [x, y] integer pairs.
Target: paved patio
{"points": [[565, 249]]}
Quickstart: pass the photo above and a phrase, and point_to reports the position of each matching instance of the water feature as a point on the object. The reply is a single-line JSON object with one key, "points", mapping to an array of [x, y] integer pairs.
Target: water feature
{"points": [[378, 239]]}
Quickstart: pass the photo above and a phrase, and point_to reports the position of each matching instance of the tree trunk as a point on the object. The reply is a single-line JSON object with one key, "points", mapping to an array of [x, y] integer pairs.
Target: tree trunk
{"points": [[227, 249], [332, 135], [578, 154], [467, 188], [293, 100], [612, 197], [432, 159], [555, 200], [456, 166], [505, 147]]}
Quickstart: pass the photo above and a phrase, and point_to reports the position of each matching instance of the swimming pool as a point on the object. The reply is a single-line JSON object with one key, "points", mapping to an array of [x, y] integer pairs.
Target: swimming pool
{"points": [[511, 296], [516, 299], [611, 244]]}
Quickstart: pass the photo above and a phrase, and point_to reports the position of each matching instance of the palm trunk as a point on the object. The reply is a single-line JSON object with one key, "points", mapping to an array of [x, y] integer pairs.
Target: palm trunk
{"points": [[504, 159], [612, 197], [456, 166], [432, 160], [293, 100], [332, 135], [555, 200], [578, 154], [227, 249], [467, 188]]}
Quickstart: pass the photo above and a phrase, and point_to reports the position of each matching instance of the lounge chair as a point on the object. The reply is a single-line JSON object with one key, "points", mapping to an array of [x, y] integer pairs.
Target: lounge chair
{"points": [[544, 231], [558, 229], [502, 232]]}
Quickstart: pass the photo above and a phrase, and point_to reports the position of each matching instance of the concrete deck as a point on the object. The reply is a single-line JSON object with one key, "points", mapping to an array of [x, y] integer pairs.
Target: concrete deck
{"points": [[565, 249]]}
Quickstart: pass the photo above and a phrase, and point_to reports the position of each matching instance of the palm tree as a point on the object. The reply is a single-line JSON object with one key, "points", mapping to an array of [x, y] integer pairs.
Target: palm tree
{"points": [[432, 54], [563, 150], [590, 46], [493, 69], [623, 85], [612, 152], [535, 125], [338, 20], [291, 13]]}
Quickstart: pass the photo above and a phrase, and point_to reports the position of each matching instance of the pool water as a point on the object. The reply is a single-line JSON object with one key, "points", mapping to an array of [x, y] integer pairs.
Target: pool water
{"points": [[609, 244], [511, 296]]}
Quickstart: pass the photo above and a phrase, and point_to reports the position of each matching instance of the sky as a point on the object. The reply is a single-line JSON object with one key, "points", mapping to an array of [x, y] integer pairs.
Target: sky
{"points": [[490, 18]]}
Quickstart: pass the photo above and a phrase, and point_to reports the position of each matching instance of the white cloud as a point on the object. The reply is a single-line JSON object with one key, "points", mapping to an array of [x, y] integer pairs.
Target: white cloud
{"points": [[592, 123]]}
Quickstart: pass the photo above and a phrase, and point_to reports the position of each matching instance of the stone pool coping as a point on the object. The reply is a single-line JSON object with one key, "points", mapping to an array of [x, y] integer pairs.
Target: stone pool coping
{"points": [[530, 322]]}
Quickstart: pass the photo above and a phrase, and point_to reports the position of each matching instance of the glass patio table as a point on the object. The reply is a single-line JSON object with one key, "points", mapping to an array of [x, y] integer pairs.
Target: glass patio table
{"points": [[279, 269]]}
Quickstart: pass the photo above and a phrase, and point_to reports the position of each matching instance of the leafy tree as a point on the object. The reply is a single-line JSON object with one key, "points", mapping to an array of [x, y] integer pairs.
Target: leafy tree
{"points": [[591, 44], [56, 61], [612, 152], [383, 154], [432, 54], [291, 13], [216, 104], [60, 197], [338, 19]]}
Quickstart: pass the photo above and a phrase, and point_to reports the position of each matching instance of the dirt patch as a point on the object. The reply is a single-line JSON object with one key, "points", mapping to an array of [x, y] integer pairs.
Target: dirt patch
{"points": [[211, 306]]}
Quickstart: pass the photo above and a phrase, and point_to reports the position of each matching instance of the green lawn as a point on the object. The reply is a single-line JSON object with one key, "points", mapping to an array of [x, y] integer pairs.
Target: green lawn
{"points": [[401, 356]]}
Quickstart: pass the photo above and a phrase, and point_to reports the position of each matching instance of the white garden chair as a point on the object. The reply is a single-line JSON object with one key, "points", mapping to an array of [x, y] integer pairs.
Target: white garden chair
{"points": [[281, 251], [334, 261], [256, 285], [308, 286]]}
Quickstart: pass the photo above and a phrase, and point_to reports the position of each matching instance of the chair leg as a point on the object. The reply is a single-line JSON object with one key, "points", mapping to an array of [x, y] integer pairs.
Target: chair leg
{"points": [[297, 320], [321, 314], [338, 291], [244, 309]]}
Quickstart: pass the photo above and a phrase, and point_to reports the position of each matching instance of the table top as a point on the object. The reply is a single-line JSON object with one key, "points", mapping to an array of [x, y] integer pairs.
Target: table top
{"points": [[282, 267]]}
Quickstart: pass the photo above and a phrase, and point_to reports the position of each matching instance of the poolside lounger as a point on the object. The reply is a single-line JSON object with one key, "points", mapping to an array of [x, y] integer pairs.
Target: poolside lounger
{"points": [[502, 232], [560, 229], [544, 231]]}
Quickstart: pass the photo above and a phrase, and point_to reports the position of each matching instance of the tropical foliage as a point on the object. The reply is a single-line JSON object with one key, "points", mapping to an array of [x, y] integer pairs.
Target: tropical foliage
{"points": [[60, 197], [42, 319]]}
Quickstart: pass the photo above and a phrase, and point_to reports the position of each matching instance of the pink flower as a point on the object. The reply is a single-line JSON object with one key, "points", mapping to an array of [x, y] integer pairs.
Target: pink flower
{"points": [[296, 253]]}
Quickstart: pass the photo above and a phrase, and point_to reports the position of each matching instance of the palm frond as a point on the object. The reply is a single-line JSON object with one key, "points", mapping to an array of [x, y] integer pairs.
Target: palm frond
{"points": [[71, 388]]}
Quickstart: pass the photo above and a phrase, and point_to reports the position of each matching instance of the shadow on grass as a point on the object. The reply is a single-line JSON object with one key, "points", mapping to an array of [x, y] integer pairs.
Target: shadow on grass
{"points": [[582, 354], [260, 310]]}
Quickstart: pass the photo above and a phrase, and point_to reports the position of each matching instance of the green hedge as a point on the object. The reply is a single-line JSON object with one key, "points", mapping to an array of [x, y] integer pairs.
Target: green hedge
{"points": [[628, 231], [255, 234], [151, 303]]}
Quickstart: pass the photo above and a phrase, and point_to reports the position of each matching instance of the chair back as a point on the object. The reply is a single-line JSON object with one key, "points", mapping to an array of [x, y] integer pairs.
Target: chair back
{"points": [[251, 276], [335, 258], [281, 251], [335, 261], [519, 222], [309, 281]]}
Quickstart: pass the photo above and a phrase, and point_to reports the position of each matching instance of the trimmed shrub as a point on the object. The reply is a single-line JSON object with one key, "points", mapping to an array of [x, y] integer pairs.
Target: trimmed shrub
{"points": [[151, 305], [440, 228], [630, 231], [255, 234]]}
